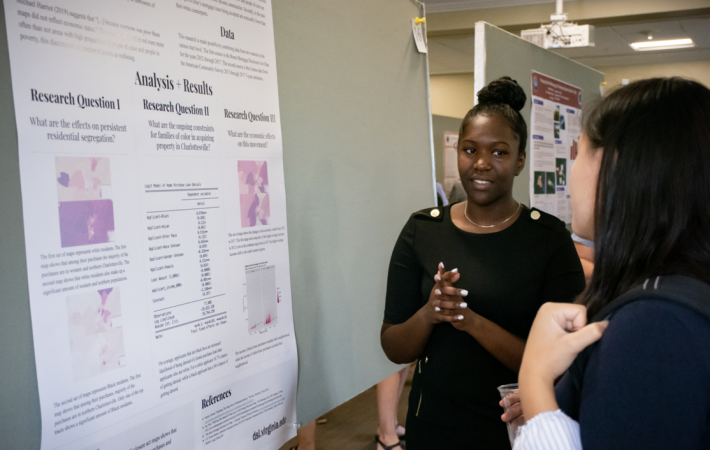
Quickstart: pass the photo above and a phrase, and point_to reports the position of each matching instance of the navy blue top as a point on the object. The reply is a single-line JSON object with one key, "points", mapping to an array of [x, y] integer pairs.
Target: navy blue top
{"points": [[647, 383]]}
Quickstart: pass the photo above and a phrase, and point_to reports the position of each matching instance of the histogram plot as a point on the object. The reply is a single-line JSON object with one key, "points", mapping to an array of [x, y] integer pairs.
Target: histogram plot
{"points": [[261, 297]]}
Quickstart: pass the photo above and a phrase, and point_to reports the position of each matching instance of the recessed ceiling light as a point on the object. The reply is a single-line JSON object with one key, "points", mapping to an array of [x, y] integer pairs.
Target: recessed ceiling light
{"points": [[662, 45]]}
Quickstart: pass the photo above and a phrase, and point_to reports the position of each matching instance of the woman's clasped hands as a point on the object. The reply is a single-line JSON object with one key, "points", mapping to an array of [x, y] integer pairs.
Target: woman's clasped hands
{"points": [[446, 302]]}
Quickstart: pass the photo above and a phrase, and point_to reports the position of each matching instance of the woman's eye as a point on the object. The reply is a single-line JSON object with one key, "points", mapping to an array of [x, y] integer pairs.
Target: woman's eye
{"points": [[499, 152], [469, 150]]}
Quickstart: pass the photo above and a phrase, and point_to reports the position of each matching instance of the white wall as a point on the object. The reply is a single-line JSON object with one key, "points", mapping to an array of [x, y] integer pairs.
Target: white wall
{"points": [[451, 95], [696, 70]]}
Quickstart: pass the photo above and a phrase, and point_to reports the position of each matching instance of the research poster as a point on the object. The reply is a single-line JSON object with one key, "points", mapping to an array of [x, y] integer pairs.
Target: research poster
{"points": [[154, 209], [555, 126]]}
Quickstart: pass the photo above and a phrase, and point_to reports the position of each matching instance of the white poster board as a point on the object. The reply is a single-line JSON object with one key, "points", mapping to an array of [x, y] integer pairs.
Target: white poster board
{"points": [[555, 126], [154, 208]]}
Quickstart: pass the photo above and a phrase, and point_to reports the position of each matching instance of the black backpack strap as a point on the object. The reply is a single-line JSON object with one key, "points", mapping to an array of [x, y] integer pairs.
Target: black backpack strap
{"points": [[681, 290]]}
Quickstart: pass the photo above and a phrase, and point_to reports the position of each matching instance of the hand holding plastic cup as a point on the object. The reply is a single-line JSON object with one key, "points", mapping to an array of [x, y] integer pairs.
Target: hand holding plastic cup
{"points": [[510, 397]]}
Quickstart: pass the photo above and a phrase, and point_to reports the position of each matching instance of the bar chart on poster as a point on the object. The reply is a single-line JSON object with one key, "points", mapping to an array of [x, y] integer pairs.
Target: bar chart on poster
{"points": [[261, 297], [154, 204]]}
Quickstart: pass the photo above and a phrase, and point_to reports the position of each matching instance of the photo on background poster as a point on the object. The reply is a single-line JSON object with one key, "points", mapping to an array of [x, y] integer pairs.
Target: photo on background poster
{"points": [[550, 188], [262, 297], [562, 122], [95, 330], [557, 130], [85, 204], [561, 171], [539, 184], [253, 193]]}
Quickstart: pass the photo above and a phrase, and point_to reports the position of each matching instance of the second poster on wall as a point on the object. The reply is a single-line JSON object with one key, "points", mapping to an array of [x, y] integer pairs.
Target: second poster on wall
{"points": [[555, 126]]}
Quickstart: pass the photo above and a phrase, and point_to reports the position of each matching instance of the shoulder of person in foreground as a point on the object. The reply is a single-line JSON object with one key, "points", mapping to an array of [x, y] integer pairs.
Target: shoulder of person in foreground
{"points": [[646, 383]]}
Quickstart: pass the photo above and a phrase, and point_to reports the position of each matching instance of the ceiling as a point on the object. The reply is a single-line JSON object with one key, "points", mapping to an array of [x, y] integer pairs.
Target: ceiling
{"points": [[612, 44], [454, 53], [433, 6]]}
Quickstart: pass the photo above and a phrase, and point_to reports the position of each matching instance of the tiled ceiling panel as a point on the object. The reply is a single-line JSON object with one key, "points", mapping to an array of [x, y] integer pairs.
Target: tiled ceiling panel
{"points": [[461, 5], [698, 30], [606, 42], [658, 57], [660, 31], [454, 54]]}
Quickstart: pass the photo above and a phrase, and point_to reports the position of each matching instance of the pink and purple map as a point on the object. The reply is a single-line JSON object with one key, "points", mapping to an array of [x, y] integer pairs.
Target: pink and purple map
{"points": [[253, 193], [85, 205], [95, 331]]}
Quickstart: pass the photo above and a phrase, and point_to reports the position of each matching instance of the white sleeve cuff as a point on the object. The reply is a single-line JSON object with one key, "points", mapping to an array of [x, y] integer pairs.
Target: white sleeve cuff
{"points": [[551, 430]]}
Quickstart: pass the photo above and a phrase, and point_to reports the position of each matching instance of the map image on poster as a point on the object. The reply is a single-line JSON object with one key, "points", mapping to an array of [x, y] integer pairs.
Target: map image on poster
{"points": [[85, 205], [261, 297], [254, 193], [95, 332]]}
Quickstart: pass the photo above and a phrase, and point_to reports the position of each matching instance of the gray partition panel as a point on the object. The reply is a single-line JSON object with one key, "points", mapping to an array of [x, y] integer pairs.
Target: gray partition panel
{"points": [[19, 403], [357, 160], [357, 156], [499, 53]]}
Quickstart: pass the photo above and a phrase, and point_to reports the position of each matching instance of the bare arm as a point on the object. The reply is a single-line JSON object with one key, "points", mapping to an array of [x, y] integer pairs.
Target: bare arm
{"points": [[559, 333], [404, 343], [503, 345]]}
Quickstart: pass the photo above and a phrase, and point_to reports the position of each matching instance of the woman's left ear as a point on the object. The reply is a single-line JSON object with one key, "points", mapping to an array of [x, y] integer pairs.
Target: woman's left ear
{"points": [[521, 164]]}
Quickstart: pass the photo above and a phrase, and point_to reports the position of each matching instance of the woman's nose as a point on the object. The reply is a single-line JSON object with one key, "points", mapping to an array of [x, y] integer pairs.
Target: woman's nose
{"points": [[482, 163]]}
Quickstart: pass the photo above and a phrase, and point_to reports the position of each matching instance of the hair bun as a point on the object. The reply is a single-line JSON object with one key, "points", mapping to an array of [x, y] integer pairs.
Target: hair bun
{"points": [[504, 90]]}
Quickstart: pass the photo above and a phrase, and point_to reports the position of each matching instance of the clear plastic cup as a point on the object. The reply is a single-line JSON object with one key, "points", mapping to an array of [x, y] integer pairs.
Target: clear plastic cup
{"points": [[509, 394]]}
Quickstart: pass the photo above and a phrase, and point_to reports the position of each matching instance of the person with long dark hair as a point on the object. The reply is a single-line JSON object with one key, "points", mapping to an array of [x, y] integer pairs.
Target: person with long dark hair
{"points": [[640, 190], [466, 325]]}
